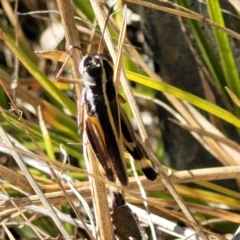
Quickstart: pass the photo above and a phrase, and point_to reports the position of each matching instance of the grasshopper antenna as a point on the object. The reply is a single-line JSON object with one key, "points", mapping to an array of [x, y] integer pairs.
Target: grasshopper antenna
{"points": [[72, 46], [101, 44]]}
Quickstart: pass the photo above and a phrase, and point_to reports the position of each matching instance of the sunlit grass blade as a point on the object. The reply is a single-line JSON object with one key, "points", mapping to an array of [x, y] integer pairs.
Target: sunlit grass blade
{"points": [[196, 101], [224, 49], [48, 85]]}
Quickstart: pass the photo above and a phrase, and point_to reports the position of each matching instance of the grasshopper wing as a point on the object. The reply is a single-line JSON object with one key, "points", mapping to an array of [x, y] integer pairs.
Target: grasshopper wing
{"points": [[97, 142]]}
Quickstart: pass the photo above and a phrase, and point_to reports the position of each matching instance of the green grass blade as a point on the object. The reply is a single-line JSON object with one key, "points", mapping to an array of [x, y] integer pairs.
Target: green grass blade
{"points": [[196, 101], [224, 48], [206, 50], [85, 7], [44, 81]]}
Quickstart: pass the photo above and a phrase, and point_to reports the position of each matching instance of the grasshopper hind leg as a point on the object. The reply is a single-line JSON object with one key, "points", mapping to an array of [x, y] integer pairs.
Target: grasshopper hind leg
{"points": [[135, 147]]}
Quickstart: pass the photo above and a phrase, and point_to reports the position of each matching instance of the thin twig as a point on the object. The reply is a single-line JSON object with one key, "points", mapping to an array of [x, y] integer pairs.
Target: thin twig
{"points": [[103, 217], [136, 114], [102, 213], [192, 15]]}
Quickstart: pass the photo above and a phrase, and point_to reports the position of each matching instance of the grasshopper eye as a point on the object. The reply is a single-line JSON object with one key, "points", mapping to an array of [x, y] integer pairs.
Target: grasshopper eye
{"points": [[86, 61], [91, 66]]}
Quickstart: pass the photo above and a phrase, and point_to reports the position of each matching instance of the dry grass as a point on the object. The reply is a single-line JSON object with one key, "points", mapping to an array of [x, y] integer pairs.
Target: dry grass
{"points": [[42, 197]]}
